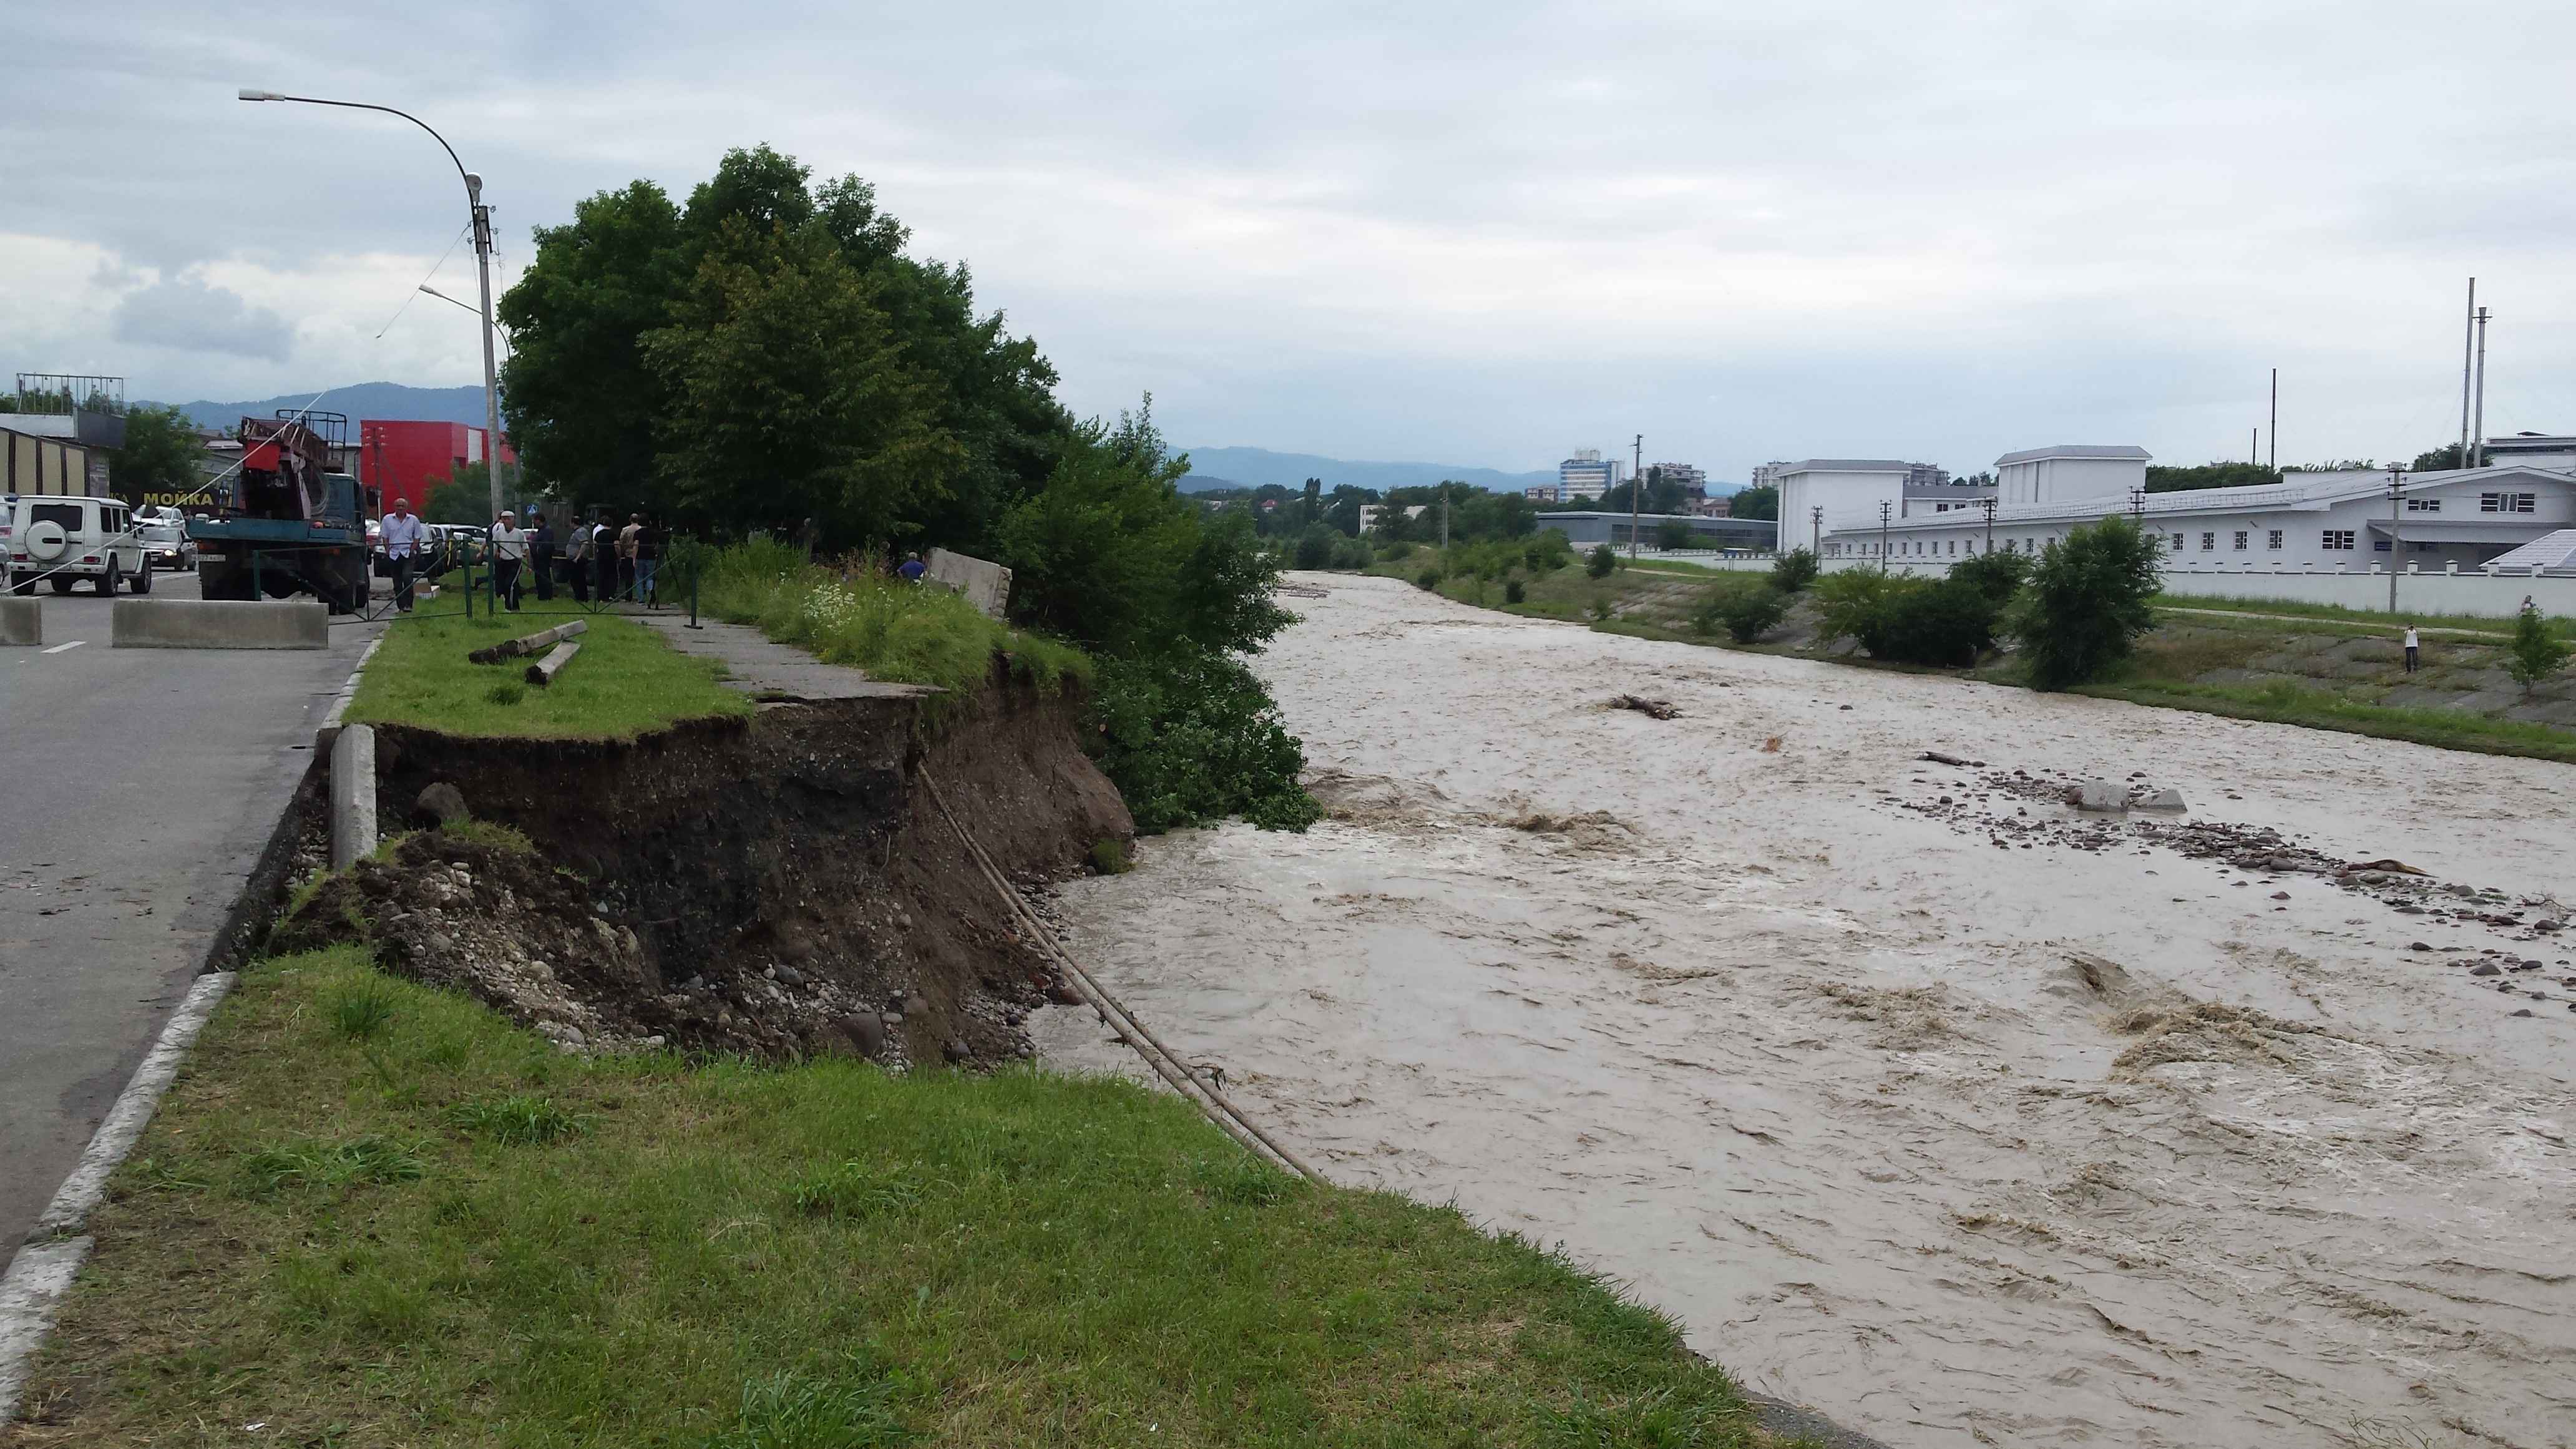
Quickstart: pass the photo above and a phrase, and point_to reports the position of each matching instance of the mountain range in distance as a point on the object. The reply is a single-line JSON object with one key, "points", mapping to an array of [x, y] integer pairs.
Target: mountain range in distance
{"points": [[1210, 468]]}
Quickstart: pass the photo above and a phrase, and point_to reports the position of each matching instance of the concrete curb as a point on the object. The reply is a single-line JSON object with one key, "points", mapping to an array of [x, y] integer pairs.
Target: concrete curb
{"points": [[42, 1272], [349, 691], [217, 624], [22, 622]]}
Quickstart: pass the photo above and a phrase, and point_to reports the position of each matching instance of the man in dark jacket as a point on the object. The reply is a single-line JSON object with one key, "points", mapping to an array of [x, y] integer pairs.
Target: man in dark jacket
{"points": [[541, 556]]}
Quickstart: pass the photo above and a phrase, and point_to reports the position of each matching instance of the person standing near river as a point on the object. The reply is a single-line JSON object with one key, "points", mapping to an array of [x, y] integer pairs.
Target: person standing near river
{"points": [[509, 553], [541, 557], [400, 535], [2410, 646], [577, 559], [603, 553]]}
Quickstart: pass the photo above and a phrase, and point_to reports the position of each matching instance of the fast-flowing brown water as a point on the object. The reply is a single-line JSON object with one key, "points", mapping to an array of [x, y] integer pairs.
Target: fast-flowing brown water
{"points": [[1963, 1144]]}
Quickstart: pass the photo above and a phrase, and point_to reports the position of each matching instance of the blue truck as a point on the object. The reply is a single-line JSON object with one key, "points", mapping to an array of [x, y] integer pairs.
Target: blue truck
{"points": [[284, 523]]}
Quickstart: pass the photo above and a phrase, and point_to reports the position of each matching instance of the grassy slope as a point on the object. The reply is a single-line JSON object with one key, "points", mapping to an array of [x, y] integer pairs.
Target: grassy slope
{"points": [[899, 632], [1653, 603], [815, 1257], [625, 681]]}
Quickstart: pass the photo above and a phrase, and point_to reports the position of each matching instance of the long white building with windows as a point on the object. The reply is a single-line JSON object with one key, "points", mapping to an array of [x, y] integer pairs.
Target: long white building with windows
{"points": [[2325, 522]]}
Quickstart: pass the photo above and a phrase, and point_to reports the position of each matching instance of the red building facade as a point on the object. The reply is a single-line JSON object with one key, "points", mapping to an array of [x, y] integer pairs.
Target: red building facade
{"points": [[407, 459]]}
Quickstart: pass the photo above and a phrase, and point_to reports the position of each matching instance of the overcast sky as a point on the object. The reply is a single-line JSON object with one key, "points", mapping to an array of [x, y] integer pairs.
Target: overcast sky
{"points": [[1482, 233]]}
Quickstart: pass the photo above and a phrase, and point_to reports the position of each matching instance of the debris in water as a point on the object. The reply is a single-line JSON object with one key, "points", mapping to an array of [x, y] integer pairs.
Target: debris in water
{"points": [[1652, 708], [1771, 746], [1938, 758]]}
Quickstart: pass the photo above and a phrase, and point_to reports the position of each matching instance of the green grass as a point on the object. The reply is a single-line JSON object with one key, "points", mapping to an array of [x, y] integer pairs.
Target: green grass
{"points": [[626, 682], [2286, 703], [903, 633], [2364, 620], [401, 1241]]}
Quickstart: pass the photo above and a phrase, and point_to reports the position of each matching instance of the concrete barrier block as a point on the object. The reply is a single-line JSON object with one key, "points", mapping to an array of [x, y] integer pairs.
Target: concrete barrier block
{"points": [[22, 621], [986, 585], [219, 624], [353, 796]]}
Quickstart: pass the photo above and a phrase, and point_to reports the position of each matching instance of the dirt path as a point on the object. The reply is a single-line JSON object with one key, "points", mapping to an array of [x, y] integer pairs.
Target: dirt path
{"points": [[2088, 1143]]}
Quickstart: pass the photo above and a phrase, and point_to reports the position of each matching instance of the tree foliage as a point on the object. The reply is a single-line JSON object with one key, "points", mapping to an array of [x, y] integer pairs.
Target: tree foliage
{"points": [[1793, 571], [1757, 503], [1998, 576], [2535, 653], [160, 454], [1746, 607], [1945, 622], [2086, 602], [2209, 475]]}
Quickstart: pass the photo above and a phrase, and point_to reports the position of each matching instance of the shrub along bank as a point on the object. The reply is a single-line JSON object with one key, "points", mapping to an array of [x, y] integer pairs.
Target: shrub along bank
{"points": [[409, 1222]]}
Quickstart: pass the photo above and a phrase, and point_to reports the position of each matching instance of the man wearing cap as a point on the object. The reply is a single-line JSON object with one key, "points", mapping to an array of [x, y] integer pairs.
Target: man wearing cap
{"points": [[509, 551], [400, 534]]}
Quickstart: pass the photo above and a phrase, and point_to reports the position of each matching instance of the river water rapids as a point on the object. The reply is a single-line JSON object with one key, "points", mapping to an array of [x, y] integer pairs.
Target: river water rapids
{"points": [[1965, 1120]]}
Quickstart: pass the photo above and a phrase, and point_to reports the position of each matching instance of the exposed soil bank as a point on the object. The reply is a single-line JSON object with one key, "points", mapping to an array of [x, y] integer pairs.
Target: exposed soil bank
{"points": [[1913, 1093], [778, 885]]}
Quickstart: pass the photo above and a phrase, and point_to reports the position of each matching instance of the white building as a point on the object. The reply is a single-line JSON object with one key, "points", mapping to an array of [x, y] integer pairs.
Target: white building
{"points": [[1821, 495], [1588, 475], [2324, 522]]}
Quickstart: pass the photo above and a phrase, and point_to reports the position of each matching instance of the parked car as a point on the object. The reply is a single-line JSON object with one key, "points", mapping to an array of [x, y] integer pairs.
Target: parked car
{"points": [[65, 538], [166, 540]]}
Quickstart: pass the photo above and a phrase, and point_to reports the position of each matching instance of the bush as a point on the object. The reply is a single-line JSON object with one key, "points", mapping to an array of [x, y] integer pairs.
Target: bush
{"points": [[1793, 570], [1190, 735], [1746, 610], [2086, 603], [1910, 621], [1998, 576], [1428, 579], [1672, 534], [2535, 653], [1396, 552], [1514, 591], [1601, 561], [1315, 549], [1547, 552]]}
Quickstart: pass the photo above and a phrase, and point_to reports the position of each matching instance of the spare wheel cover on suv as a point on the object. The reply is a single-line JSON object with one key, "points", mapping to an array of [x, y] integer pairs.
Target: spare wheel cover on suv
{"points": [[46, 539]]}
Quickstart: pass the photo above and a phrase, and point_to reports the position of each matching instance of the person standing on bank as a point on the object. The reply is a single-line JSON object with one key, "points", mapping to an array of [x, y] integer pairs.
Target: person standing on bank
{"points": [[577, 559], [400, 534], [603, 552], [509, 553], [648, 557], [630, 555], [2410, 646], [541, 557]]}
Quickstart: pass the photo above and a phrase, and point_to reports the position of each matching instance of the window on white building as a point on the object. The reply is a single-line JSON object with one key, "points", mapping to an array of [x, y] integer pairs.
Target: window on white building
{"points": [[2423, 505], [2338, 539], [2177, 543], [2508, 502], [2208, 541], [2276, 539], [2241, 537]]}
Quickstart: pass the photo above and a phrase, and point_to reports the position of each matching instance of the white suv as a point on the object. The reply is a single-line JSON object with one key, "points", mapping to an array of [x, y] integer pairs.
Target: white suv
{"points": [[62, 538]]}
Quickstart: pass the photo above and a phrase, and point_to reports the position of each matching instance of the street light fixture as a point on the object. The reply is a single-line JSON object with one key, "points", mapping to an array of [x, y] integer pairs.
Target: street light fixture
{"points": [[482, 220]]}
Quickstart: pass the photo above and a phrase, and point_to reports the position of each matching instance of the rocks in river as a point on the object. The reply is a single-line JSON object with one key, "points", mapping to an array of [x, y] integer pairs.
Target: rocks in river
{"points": [[2486, 968], [2097, 795], [2167, 798]]}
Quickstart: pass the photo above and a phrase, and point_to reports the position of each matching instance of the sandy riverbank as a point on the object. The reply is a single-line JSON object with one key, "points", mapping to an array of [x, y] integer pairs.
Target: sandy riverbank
{"points": [[2085, 1143]]}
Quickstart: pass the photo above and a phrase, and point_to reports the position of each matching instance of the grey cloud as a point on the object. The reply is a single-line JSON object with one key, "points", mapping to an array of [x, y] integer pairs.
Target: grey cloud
{"points": [[184, 312]]}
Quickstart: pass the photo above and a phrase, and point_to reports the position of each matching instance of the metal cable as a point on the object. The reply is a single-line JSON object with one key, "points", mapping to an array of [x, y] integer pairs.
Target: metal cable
{"points": [[1166, 1063]]}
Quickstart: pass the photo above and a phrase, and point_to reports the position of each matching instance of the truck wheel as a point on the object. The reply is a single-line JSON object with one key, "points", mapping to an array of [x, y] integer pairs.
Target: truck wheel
{"points": [[143, 580]]}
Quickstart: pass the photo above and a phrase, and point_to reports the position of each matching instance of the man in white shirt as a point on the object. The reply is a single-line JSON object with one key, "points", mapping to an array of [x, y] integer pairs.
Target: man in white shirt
{"points": [[509, 551], [400, 535], [2410, 646]]}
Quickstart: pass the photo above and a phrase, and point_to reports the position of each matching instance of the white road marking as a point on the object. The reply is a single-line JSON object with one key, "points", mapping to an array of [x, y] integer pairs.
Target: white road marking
{"points": [[59, 648]]}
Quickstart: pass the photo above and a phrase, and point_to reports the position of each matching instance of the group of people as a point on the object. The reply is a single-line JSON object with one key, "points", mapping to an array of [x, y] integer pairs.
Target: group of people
{"points": [[619, 563], [588, 556]]}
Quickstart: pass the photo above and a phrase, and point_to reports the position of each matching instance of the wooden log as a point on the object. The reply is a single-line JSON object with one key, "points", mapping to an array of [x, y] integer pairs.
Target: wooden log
{"points": [[543, 672], [529, 645]]}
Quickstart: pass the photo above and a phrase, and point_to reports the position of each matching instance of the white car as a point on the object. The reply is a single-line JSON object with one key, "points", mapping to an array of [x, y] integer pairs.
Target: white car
{"points": [[65, 538], [167, 541]]}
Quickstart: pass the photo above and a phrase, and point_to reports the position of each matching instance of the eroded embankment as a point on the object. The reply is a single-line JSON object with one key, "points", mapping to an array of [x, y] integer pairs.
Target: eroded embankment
{"points": [[780, 885]]}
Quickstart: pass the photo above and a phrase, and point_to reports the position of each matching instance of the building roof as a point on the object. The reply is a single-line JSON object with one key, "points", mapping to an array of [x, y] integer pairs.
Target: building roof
{"points": [[2128, 452], [1846, 465], [2553, 550], [1965, 492]]}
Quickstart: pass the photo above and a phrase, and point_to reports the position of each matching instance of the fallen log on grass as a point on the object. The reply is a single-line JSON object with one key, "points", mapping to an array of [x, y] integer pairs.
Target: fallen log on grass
{"points": [[543, 672], [529, 645]]}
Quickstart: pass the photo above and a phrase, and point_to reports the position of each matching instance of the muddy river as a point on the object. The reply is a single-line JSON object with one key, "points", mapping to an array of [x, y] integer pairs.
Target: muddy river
{"points": [[1914, 1095]]}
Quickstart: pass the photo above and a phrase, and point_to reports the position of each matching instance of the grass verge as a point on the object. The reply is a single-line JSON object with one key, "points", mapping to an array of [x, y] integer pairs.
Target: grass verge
{"points": [[2370, 620], [2283, 703], [626, 682], [900, 632], [375, 1214]]}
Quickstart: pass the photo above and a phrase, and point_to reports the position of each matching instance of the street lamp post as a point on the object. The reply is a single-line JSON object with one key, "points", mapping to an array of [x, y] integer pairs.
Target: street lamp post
{"points": [[481, 216], [2396, 491]]}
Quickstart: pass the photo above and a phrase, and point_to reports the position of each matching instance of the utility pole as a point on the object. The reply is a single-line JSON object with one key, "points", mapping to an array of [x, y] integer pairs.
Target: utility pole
{"points": [[1816, 530], [2274, 463], [2138, 506], [2468, 346], [1444, 515], [1636, 495], [2478, 433], [2396, 481], [1988, 504], [2254, 450], [1884, 509]]}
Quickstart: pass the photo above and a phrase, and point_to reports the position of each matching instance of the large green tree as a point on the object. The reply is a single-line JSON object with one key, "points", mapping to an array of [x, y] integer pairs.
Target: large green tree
{"points": [[933, 420], [1758, 503], [160, 454]]}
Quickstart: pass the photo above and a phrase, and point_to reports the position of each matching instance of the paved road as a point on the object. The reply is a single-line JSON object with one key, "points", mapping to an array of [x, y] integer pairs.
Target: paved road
{"points": [[137, 787]]}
